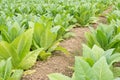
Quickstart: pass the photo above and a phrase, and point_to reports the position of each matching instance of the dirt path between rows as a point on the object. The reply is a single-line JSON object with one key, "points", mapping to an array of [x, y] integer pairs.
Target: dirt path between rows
{"points": [[60, 63]]}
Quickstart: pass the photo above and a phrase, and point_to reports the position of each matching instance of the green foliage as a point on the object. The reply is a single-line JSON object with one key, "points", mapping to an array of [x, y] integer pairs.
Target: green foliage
{"points": [[23, 11], [65, 20], [6, 72], [57, 76], [96, 64], [83, 71], [84, 13], [22, 58], [94, 54], [44, 36], [50, 20], [47, 37], [101, 5], [11, 32], [113, 16], [105, 36]]}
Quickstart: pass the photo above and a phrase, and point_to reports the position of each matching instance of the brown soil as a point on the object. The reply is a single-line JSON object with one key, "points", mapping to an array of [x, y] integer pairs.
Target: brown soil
{"points": [[56, 64], [59, 63], [74, 44]]}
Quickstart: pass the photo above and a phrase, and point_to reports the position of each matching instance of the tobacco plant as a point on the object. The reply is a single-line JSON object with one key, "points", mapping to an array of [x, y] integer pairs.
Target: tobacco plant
{"points": [[9, 33], [113, 16], [83, 71], [84, 14], [45, 36], [105, 36], [6, 71], [19, 50], [94, 65]]}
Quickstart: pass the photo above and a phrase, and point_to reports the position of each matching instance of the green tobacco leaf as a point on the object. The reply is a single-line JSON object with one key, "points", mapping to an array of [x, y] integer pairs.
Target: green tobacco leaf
{"points": [[44, 55], [23, 43], [114, 58], [17, 74], [47, 39], [54, 46], [102, 39], [9, 33], [4, 48], [55, 29], [90, 61], [2, 67], [19, 51], [6, 51], [5, 69], [15, 31], [91, 40], [102, 70], [8, 68], [108, 55], [30, 59], [87, 52], [83, 71], [45, 35], [57, 76], [5, 35], [114, 41], [62, 49], [97, 52], [38, 29], [6, 72], [94, 54]]}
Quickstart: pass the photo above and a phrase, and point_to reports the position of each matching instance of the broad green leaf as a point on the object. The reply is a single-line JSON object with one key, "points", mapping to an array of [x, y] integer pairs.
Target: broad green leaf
{"points": [[2, 67], [44, 55], [23, 43], [17, 74], [8, 51], [62, 49], [114, 58], [6, 72], [97, 52], [8, 68], [4, 48], [5, 69], [114, 41], [102, 70], [83, 71], [47, 39], [102, 39], [9, 33], [29, 60], [91, 40], [38, 29], [108, 54], [15, 31], [55, 29], [58, 76], [54, 46], [87, 52], [5, 35]]}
